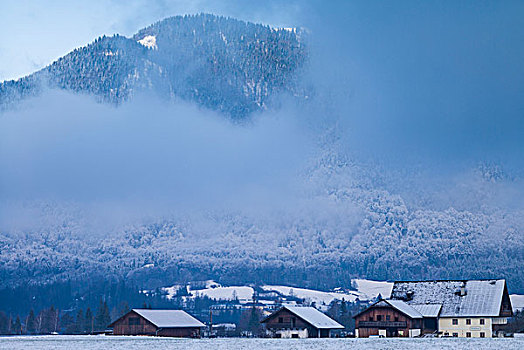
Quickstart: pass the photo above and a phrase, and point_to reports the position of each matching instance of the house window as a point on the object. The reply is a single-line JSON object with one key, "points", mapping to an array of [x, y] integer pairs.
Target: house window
{"points": [[387, 317], [468, 334], [134, 321], [455, 335], [294, 335], [396, 318], [481, 321], [468, 320], [379, 317], [482, 334], [281, 320], [455, 321], [370, 318]]}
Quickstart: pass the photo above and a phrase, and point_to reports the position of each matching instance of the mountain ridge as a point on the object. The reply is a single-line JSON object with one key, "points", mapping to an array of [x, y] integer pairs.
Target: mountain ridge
{"points": [[220, 63]]}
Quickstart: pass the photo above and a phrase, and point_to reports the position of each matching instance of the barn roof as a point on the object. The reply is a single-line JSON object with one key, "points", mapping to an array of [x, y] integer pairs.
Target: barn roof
{"points": [[169, 318], [398, 305], [312, 316], [404, 308], [481, 298], [428, 310]]}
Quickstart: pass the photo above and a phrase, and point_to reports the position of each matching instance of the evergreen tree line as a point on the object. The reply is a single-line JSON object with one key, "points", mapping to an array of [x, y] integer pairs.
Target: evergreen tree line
{"points": [[51, 320]]}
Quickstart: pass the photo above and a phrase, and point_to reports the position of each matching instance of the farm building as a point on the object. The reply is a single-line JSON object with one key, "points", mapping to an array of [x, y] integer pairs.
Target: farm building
{"points": [[162, 323], [299, 322], [461, 308]]}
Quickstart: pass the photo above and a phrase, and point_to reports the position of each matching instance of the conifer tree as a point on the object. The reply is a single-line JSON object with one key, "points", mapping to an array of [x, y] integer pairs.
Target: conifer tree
{"points": [[102, 318], [80, 322], [89, 321], [30, 325], [17, 326]]}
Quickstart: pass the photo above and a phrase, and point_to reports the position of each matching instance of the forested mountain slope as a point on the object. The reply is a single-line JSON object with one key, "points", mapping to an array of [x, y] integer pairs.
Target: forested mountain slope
{"points": [[222, 64]]}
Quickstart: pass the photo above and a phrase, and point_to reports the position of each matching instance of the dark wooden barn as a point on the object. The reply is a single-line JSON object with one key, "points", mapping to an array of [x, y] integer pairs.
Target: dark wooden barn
{"points": [[162, 323], [299, 322], [394, 318]]}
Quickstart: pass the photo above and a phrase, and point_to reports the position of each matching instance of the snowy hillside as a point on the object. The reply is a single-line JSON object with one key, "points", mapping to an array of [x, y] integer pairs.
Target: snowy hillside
{"points": [[517, 302], [366, 290]]}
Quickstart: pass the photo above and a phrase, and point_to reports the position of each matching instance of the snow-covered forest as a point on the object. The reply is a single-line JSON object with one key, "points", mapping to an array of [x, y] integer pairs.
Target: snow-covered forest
{"points": [[342, 226]]}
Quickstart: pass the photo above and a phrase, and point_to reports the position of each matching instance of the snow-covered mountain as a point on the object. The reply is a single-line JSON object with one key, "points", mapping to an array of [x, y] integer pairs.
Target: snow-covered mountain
{"points": [[221, 63]]}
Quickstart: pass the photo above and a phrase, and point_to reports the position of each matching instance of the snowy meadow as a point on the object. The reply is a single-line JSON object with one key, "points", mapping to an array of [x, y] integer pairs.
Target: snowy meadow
{"points": [[131, 343]]}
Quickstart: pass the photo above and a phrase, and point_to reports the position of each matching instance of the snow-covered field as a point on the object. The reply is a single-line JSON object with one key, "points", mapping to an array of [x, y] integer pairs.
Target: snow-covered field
{"points": [[517, 301], [366, 290], [132, 343]]}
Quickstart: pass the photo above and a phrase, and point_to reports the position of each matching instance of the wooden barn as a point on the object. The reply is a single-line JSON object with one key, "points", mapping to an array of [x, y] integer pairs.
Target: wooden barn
{"points": [[162, 323], [299, 322], [395, 318]]}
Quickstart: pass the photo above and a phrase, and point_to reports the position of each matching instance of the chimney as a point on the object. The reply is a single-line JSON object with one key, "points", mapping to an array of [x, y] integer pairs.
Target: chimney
{"points": [[463, 290]]}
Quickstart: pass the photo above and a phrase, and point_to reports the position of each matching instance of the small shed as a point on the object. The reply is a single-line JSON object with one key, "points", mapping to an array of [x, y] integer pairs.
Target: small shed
{"points": [[162, 323], [299, 322]]}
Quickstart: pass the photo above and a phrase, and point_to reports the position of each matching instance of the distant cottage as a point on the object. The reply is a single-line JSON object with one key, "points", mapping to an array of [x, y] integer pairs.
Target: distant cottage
{"points": [[299, 322], [162, 323], [474, 308]]}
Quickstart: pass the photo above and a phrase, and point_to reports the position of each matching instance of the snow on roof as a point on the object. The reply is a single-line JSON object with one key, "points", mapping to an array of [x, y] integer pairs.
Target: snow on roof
{"points": [[482, 298], [404, 308], [169, 318], [314, 317], [428, 310]]}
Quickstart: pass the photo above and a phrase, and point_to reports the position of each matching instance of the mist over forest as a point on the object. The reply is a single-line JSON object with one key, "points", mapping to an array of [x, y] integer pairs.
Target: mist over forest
{"points": [[361, 144]]}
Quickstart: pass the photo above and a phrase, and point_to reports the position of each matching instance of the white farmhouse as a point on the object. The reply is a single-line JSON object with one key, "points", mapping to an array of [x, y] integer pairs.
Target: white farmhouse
{"points": [[470, 308]]}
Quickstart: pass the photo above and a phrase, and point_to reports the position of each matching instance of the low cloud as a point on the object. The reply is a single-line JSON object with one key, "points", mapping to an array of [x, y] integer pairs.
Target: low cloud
{"points": [[147, 156]]}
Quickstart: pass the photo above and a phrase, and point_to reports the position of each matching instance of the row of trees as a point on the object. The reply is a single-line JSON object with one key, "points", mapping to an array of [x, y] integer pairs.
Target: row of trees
{"points": [[51, 320]]}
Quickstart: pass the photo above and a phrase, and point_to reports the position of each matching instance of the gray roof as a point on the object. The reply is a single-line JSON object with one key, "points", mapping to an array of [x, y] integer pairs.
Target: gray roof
{"points": [[404, 308], [483, 297], [314, 317], [398, 305], [169, 318], [428, 310]]}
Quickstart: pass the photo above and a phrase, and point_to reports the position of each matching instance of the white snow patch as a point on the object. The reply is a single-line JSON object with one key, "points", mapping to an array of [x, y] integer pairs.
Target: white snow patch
{"points": [[517, 302], [149, 41], [288, 29], [214, 290], [321, 299], [242, 293], [371, 289]]}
